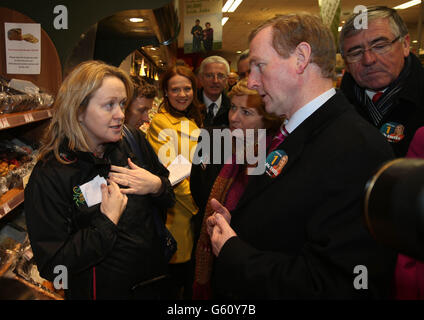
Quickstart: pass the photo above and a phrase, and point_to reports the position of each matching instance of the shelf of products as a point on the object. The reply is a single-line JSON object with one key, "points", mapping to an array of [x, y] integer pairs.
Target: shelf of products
{"points": [[18, 156], [10, 200], [12, 120]]}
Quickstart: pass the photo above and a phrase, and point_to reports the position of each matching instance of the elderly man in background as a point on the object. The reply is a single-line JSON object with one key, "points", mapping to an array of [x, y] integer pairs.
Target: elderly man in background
{"points": [[384, 81], [213, 76]]}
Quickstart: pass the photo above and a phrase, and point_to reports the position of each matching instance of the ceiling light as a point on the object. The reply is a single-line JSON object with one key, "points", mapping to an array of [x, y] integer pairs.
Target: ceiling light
{"points": [[407, 4], [339, 29], [414, 41], [227, 5], [238, 51], [235, 5], [224, 20], [135, 20]]}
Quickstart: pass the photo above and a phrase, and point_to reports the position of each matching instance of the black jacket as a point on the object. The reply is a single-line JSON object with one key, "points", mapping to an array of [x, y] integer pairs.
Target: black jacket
{"points": [[98, 254], [221, 118], [408, 109], [300, 234]]}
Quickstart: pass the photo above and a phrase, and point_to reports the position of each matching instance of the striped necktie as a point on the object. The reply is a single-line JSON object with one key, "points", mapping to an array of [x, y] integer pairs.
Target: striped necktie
{"points": [[279, 138]]}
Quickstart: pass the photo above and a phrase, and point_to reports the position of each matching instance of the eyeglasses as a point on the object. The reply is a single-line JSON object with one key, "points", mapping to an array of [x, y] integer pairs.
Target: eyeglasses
{"points": [[211, 76], [380, 48]]}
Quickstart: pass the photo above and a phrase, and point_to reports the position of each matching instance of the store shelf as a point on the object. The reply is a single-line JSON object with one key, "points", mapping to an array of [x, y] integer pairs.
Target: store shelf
{"points": [[17, 119], [10, 200], [44, 292]]}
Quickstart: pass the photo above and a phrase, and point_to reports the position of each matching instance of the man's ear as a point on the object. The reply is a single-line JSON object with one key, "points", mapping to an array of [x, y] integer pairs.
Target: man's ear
{"points": [[406, 42], [303, 53]]}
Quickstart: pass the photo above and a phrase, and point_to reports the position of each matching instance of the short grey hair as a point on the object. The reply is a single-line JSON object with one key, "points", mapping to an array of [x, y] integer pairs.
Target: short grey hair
{"points": [[214, 59], [397, 25]]}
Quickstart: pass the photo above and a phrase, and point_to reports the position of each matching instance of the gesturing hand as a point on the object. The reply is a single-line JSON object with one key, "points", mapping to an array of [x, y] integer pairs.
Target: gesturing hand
{"points": [[220, 231], [113, 202], [138, 180], [219, 208]]}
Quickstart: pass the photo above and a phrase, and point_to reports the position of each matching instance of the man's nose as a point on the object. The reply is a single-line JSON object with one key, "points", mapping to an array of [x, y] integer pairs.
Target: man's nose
{"points": [[252, 82], [368, 57]]}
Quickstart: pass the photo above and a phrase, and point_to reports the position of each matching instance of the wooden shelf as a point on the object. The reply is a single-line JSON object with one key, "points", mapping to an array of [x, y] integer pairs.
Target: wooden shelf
{"points": [[39, 289], [17, 119], [10, 200]]}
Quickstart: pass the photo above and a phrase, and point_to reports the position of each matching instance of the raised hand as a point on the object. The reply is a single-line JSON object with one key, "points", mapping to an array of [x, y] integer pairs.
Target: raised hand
{"points": [[138, 180]]}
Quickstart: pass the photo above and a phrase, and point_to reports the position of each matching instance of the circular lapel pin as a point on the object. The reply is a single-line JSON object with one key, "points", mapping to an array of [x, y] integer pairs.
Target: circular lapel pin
{"points": [[393, 131], [275, 162]]}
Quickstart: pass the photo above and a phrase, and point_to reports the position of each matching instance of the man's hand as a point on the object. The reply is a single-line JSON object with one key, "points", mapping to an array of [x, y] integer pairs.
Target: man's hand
{"points": [[219, 231], [219, 208]]}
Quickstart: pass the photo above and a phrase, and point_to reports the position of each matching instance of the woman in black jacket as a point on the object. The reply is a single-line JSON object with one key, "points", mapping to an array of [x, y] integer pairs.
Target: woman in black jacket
{"points": [[103, 234]]}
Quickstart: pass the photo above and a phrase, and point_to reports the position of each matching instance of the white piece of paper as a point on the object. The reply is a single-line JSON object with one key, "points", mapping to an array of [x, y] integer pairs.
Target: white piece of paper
{"points": [[23, 48], [179, 169], [92, 191]]}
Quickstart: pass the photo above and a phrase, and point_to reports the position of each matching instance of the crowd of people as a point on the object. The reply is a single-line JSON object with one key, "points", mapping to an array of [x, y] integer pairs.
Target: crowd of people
{"points": [[293, 230]]}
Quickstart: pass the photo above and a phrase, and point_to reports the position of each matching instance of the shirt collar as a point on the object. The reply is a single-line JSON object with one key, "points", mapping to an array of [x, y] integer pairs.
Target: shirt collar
{"points": [[303, 113], [371, 93], [209, 101]]}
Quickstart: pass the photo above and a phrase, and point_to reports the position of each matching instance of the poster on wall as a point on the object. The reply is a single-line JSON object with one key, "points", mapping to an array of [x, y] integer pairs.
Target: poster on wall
{"points": [[202, 25], [23, 48]]}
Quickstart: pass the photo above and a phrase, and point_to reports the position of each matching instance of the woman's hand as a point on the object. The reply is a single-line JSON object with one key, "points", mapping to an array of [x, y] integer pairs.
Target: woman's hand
{"points": [[113, 202], [138, 180]]}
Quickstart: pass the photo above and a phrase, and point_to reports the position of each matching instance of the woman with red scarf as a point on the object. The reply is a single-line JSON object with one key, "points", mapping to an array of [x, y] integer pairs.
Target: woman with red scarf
{"points": [[225, 181]]}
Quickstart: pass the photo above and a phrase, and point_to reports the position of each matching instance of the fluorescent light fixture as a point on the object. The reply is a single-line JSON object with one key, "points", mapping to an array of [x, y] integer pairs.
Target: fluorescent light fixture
{"points": [[227, 5], [135, 20], [407, 4], [235, 5], [224, 20]]}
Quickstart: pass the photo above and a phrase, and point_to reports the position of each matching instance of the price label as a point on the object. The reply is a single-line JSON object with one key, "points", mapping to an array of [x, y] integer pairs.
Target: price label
{"points": [[6, 208], [5, 123]]}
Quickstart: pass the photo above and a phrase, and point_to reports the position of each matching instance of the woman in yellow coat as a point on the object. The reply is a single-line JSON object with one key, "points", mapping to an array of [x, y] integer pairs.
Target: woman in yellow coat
{"points": [[174, 131]]}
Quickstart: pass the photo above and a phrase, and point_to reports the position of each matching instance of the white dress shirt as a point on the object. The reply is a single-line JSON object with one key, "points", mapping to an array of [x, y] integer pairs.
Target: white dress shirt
{"points": [[208, 102], [303, 113]]}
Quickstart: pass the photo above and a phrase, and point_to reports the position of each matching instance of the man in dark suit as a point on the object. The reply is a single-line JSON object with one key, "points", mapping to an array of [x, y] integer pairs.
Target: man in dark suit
{"points": [[298, 233], [384, 80], [213, 74]]}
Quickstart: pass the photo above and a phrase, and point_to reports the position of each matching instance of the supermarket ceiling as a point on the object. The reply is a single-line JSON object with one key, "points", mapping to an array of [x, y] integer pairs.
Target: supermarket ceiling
{"points": [[251, 13]]}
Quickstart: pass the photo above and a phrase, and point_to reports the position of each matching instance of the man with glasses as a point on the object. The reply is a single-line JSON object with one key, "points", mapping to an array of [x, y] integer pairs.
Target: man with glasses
{"points": [[384, 81], [213, 74]]}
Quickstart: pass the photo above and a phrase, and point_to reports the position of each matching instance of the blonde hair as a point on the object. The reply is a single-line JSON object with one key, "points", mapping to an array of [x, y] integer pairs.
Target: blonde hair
{"points": [[72, 99], [271, 121]]}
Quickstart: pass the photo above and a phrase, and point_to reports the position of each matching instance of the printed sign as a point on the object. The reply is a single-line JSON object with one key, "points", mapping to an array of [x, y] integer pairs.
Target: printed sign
{"points": [[23, 48]]}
